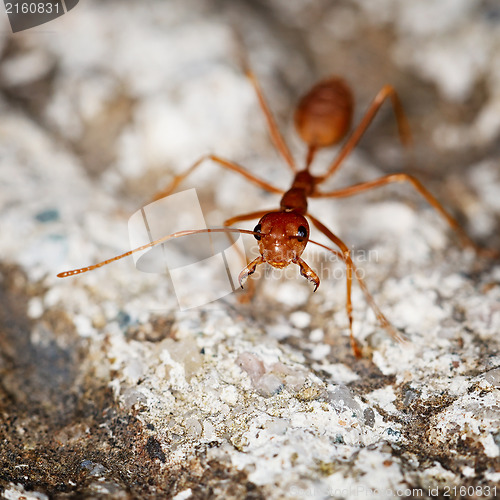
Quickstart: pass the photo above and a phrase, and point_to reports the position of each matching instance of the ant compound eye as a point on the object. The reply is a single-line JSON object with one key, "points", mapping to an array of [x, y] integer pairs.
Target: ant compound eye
{"points": [[302, 233], [257, 229]]}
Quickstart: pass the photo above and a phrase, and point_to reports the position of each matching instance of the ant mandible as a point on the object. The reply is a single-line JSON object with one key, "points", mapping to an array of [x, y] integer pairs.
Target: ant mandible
{"points": [[322, 118]]}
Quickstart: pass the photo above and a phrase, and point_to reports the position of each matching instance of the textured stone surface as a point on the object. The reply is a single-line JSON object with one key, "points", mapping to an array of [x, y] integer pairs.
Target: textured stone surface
{"points": [[107, 389]]}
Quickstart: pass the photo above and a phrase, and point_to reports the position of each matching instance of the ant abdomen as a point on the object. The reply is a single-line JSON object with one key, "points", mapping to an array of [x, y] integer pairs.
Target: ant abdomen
{"points": [[323, 116]]}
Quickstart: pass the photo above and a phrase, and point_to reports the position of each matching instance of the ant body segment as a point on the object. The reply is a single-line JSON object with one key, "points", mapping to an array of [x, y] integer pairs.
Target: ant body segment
{"points": [[322, 118]]}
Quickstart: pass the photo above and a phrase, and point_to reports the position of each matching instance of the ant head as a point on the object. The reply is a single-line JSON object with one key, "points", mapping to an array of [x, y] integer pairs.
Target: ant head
{"points": [[283, 238]]}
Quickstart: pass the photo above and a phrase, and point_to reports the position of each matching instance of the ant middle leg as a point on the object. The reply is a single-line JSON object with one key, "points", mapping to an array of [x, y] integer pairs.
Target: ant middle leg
{"points": [[223, 163], [244, 217]]}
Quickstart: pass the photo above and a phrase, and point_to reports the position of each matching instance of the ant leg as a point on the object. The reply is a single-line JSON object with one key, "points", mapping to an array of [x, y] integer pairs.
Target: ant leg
{"points": [[384, 322], [346, 255], [223, 163], [249, 216], [465, 239], [405, 136], [250, 289], [382, 319], [274, 131]]}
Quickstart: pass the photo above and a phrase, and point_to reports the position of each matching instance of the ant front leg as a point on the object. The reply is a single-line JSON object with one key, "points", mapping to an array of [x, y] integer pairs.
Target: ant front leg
{"points": [[384, 322], [346, 255], [249, 270], [250, 289], [308, 273], [223, 163], [465, 239]]}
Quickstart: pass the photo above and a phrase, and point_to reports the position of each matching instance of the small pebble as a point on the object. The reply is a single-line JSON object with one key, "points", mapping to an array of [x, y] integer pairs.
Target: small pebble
{"points": [[229, 395], [35, 307], [132, 396], [410, 396], [193, 427], [269, 384], [300, 319], [251, 364], [277, 426], [320, 351], [50, 215], [341, 398], [316, 335], [183, 495], [209, 430], [369, 417], [493, 377]]}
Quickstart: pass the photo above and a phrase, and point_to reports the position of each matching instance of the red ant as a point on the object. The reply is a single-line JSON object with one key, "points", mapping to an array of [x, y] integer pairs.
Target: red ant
{"points": [[322, 119]]}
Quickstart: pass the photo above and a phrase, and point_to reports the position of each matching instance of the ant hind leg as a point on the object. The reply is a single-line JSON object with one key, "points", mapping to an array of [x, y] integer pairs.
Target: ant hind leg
{"points": [[465, 239], [386, 92]]}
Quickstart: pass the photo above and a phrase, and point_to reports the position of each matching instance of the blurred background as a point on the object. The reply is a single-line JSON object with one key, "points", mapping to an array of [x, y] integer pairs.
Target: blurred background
{"points": [[129, 94]]}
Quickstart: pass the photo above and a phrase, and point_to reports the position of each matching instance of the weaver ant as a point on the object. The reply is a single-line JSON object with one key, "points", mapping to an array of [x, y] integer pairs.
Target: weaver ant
{"points": [[322, 118]]}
